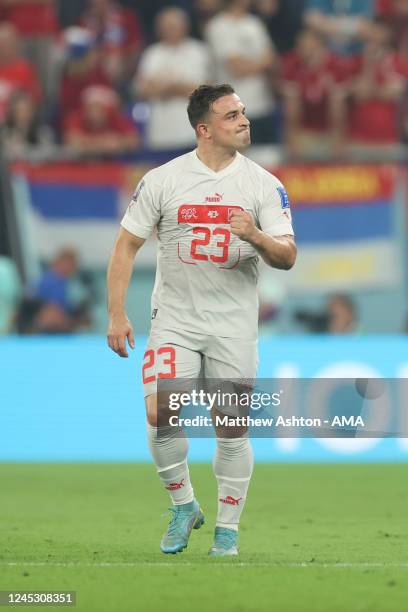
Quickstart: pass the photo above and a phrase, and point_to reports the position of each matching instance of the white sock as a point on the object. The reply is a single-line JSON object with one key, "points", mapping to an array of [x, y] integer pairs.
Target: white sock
{"points": [[233, 465], [169, 452]]}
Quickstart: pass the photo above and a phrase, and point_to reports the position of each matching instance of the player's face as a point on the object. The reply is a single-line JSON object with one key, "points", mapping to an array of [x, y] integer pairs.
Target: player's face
{"points": [[228, 125]]}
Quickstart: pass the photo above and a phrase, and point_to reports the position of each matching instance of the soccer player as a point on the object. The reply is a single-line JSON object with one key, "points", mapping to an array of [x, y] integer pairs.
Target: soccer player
{"points": [[215, 211]]}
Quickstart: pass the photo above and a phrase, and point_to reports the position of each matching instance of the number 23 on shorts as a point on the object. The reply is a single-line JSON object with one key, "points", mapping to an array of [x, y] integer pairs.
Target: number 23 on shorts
{"points": [[168, 363]]}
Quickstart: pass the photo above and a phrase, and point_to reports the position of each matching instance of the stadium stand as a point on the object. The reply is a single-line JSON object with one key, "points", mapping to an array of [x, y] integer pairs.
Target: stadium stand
{"points": [[334, 77]]}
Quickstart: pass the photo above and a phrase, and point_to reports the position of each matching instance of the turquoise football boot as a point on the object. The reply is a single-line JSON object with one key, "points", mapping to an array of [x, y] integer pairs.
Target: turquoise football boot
{"points": [[185, 518], [225, 543]]}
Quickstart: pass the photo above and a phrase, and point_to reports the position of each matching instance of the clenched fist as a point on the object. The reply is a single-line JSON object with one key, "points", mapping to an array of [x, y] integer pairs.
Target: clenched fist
{"points": [[243, 225]]}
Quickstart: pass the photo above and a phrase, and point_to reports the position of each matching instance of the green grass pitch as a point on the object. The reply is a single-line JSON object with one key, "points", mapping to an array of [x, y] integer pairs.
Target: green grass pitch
{"points": [[321, 538]]}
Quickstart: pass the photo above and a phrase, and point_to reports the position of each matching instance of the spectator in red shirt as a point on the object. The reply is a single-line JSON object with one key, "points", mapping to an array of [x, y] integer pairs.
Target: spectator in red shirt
{"points": [[384, 7], [15, 72], [30, 17], [81, 70], [375, 89], [99, 128], [118, 35], [36, 22], [311, 78]]}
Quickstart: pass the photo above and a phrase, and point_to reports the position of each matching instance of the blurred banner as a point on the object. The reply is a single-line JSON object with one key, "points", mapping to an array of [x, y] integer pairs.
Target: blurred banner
{"points": [[72, 399], [345, 217], [72, 204]]}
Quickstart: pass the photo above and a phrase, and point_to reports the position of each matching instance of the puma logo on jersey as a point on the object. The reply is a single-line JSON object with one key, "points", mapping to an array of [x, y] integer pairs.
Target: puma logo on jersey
{"points": [[217, 197]]}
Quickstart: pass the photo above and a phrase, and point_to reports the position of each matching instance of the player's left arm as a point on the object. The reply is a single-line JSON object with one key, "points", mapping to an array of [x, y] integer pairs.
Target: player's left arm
{"points": [[277, 251]]}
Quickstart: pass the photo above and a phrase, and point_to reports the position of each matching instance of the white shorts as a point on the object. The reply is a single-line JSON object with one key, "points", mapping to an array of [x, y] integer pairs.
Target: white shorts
{"points": [[176, 353]]}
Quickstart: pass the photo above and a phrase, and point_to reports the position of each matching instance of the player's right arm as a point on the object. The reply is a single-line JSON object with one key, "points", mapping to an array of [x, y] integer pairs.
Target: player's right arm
{"points": [[141, 217], [119, 273]]}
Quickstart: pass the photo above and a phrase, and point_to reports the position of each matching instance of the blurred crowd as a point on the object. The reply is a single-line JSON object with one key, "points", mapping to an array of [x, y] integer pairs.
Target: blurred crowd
{"points": [[58, 301], [62, 298], [102, 78]]}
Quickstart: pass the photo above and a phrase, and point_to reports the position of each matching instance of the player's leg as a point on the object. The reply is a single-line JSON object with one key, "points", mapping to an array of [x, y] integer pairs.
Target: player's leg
{"points": [[169, 448], [166, 359], [231, 359], [169, 451]]}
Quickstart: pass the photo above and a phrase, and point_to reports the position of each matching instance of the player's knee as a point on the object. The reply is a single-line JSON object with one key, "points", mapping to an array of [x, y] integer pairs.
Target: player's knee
{"points": [[151, 410], [157, 412]]}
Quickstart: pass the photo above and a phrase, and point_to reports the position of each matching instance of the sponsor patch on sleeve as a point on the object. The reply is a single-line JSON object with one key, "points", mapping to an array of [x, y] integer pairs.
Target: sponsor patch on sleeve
{"points": [[283, 197], [138, 191]]}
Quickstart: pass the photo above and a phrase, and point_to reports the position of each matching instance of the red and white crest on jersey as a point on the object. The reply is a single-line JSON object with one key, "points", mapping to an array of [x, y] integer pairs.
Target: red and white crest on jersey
{"points": [[205, 213], [187, 214]]}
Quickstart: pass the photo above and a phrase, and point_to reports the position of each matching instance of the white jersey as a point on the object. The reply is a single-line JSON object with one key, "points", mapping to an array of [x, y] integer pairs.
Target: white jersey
{"points": [[206, 276]]}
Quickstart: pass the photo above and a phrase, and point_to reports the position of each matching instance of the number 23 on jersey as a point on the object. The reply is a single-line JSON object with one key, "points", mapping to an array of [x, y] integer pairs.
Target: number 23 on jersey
{"points": [[210, 244]]}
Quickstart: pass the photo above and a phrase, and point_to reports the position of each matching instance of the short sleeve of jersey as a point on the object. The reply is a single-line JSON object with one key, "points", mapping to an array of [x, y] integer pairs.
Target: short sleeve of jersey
{"points": [[274, 213], [144, 210]]}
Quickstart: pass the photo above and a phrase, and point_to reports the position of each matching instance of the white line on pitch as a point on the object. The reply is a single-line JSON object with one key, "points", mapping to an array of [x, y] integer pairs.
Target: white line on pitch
{"points": [[216, 564]]}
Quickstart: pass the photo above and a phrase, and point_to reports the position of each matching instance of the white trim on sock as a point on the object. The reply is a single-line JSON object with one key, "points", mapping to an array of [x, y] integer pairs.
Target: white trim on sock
{"points": [[170, 467], [185, 502], [233, 479], [232, 526]]}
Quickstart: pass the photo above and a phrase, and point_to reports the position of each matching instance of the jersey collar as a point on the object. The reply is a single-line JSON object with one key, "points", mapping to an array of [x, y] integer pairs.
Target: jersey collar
{"points": [[232, 166]]}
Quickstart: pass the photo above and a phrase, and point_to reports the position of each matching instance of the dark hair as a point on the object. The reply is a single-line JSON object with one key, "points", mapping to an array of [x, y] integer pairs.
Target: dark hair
{"points": [[32, 135], [227, 3], [202, 98]]}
